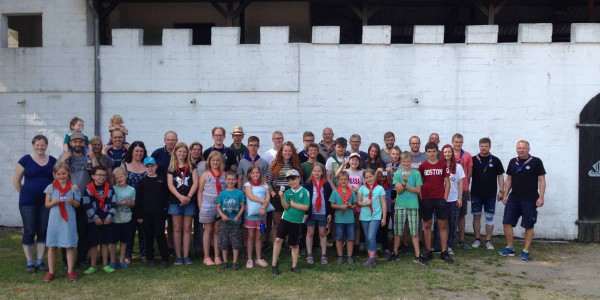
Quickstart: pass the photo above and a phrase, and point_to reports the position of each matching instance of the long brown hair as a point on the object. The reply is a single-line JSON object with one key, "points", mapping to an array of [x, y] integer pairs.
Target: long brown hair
{"points": [[278, 161], [452, 166]]}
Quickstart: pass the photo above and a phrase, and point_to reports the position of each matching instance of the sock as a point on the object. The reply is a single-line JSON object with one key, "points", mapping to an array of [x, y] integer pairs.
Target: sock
{"points": [[525, 251]]}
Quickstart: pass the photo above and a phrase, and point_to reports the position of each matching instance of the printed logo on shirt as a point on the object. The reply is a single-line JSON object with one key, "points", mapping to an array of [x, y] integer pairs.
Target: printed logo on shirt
{"points": [[430, 172]]}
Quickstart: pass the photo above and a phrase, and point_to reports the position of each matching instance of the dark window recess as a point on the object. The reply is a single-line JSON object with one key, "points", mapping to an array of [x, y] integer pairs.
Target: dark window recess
{"points": [[200, 32], [25, 31]]}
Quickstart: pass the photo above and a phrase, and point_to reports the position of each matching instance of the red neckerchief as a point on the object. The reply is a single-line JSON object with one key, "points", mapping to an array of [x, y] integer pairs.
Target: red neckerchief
{"points": [[346, 197], [385, 185], [318, 186], [371, 188], [183, 173], [255, 183], [61, 204], [92, 188], [217, 183]]}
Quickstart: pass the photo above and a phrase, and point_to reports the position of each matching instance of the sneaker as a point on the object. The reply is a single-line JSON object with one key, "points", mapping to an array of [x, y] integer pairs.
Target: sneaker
{"points": [[42, 268], [90, 270], [450, 251], [275, 270], [178, 261], [261, 262], [72, 276], [446, 257], [249, 264], [420, 260], [369, 263], [236, 266], [112, 265], [464, 245], [49, 277], [108, 269], [123, 265], [393, 258], [340, 260], [489, 245], [476, 244], [349, 260], [525, 255], [30, 269], [295, 270], [151, 263], [507, 252], [187, 261], [224, 266], [164, 264]]}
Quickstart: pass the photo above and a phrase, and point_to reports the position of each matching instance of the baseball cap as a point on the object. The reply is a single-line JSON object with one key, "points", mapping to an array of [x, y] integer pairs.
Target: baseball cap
{"points": [[292, 173], [354, 155], [77, 135], [149, 161], [237, 130]]}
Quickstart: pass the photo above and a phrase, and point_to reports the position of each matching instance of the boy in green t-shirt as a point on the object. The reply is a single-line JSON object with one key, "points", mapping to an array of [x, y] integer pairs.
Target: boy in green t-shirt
{"points": [[295, 202], [343, 200], [407, 183]]}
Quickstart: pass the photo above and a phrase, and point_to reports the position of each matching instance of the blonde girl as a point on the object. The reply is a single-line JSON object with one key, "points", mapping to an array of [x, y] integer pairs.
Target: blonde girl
{"points": [[212, 182]]}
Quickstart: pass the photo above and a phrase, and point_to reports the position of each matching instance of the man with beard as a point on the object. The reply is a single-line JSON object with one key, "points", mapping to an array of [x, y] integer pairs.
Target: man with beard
{"points": [[80, 177]]}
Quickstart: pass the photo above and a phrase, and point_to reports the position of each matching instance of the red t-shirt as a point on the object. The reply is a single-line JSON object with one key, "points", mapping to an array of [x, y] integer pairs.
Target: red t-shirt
{"points": [[433, 179]]}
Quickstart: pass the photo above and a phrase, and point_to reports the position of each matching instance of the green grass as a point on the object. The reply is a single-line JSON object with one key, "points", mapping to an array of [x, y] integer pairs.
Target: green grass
{"points": [[473, 272]]}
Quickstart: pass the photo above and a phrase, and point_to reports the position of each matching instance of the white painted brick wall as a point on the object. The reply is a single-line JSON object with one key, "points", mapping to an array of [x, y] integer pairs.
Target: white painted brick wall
{"points": [[481, 34], [326, 35], [585, 33], [535, 33], [504, 91]]}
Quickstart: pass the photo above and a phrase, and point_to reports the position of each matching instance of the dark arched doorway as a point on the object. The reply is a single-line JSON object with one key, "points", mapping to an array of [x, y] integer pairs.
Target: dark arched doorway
{"points": [[589, 172]]}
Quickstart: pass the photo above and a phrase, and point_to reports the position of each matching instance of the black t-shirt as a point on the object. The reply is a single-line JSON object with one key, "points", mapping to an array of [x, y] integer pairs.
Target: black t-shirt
{"points": [[228, 155], [303, 156], [485, 175], [524, 184], [182, 181], [151, 196]]}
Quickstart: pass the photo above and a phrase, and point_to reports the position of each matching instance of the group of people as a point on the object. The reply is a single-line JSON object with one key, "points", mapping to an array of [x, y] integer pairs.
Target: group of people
{"points": [[95, 196]]}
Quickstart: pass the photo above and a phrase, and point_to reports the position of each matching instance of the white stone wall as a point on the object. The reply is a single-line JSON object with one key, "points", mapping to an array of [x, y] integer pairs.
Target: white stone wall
{"points": [[531, 90]]}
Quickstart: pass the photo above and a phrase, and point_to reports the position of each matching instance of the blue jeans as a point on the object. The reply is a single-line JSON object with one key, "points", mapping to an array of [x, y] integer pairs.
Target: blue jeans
{"points": [[35, 223], [370, 229]]}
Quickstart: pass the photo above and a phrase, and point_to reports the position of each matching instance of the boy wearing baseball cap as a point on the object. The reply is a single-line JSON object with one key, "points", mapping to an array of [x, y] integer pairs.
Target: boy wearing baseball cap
{"points": [[295, 202]]}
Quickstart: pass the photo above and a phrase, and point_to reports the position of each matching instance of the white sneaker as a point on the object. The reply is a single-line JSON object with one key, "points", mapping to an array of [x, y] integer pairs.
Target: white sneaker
{"points": [[450, 251], [489, 245], [476, 244]]}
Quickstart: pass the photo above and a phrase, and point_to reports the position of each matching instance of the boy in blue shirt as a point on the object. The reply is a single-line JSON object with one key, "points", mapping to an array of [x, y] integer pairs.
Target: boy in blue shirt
{"points": [[230, 206]]}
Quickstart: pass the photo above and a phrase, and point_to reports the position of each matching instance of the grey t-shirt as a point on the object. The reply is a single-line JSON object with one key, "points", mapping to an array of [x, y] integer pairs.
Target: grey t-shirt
{"points": [[79, 173], [245, 164], [417, 160], [385, 156]]}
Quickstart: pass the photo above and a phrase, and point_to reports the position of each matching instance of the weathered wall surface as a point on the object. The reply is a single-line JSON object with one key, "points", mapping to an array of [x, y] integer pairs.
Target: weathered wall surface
{"points": [[531, 90]]}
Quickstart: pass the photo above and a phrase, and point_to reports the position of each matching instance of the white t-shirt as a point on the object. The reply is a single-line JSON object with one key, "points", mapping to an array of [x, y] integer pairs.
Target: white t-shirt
{"points": [[269, 156], [454, 178], [330, 161]]}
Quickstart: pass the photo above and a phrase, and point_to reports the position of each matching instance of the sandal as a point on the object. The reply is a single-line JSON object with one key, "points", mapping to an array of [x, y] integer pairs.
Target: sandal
{"points": [[310, 260], [208, 261], [324, 260]]}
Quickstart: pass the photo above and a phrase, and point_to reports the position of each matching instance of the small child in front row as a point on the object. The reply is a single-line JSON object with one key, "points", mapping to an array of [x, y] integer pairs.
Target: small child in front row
{"points": [[230, 206], [62, 197], [76, 124], [121, 227], [408, 183], [99, 203], [257, 192], [343, 200], [373, 213], [295, 202]]}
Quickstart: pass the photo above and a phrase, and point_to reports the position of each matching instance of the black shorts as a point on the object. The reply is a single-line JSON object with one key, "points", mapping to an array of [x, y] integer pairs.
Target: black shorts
{"points": [[291, 230], [516, 208], [465, 204], [428, 206], [99, 234], [121, 232]]}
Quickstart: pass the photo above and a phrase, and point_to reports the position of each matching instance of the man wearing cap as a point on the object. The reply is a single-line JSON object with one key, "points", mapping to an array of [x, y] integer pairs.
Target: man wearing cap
{"points": [[237, 146], [163, 155], [218, 135], [80, 177]]}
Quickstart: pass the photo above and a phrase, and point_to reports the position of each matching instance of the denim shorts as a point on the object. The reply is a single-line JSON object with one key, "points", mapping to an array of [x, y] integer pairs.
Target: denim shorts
{"points": [[344, 230], [479, 204], [516, 208], [318, 220], [178, 210], [35, 223]]}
